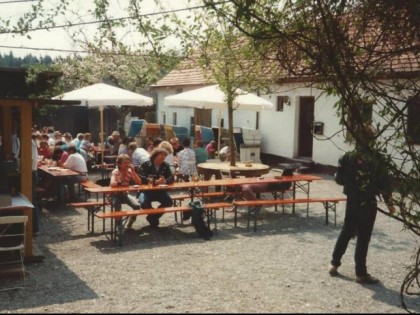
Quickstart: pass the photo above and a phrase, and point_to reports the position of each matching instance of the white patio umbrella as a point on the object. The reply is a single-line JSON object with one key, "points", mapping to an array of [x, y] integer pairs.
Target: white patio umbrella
{"points": [[212, 97], [100, 95]]}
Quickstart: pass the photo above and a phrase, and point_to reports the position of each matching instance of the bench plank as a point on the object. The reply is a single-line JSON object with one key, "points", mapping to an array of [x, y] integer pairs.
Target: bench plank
{"points": [[329, 204], [92, 207], [122, 215]]}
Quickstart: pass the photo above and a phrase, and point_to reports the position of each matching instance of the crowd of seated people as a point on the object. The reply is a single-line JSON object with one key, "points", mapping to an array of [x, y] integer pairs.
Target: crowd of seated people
{"points": [[134, 164]]}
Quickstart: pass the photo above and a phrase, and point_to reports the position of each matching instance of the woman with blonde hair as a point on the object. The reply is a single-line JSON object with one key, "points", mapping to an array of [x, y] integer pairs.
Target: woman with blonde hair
{"points": [[170, 157]]}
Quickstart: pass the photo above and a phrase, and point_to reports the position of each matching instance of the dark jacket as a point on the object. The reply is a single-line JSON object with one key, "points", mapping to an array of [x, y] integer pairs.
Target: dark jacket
{"points": [[147, 168], [363, 176]]}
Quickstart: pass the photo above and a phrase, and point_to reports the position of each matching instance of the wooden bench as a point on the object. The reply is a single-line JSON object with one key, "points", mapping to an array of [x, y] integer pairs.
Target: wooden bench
{"points": [[92, 208], [87, 184], [329, 204], [204, 196], [122, 216]]}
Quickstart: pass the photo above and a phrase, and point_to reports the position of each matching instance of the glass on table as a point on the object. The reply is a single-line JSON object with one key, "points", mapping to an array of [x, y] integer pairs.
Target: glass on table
{"points": [[194, 177], [150, 180]]}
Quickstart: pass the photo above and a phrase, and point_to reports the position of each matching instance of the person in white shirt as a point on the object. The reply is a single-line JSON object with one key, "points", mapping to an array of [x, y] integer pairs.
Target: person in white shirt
{"points": [[77, 163], [137, 155], [186, 160], [36, 209], [225, 153]]}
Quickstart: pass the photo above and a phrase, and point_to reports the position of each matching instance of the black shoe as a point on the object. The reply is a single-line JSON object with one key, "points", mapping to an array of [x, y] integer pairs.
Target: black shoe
{"points": [[186, 215], [366, 279], [333, 270], [154, 222]]}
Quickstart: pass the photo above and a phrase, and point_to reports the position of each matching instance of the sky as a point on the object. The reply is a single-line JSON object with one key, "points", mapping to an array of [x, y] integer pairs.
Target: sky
{"points": [[58, 39]]}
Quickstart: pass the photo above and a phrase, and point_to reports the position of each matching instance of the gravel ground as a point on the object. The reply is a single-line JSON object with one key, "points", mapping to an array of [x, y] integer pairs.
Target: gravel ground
{"points": [[282, 268]]}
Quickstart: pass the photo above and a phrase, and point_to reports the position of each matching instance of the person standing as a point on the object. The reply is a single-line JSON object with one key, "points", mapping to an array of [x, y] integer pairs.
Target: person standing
{"points": [[363, 175], [36, 210], [160, 171]]}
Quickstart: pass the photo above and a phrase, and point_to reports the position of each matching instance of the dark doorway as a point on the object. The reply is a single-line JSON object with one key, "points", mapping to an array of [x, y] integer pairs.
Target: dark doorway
{"points": [[202, 117], [306, 119]]}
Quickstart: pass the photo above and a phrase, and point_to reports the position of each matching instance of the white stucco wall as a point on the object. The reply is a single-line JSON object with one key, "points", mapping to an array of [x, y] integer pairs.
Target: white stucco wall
{"points": [[279, 129]]}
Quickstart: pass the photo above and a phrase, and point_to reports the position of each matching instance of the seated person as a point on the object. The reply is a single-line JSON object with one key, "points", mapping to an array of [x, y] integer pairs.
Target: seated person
{"points": [[176, 145], [86, 146], [59, 156], [116, 141], [124, 175], [78, 140], [44, 149], [160, 170], [170, 157], [137, 155], [123, 149], [211, 149], [186, 161], [67, 138], [224, 153], [201, 154], [77, 163]]}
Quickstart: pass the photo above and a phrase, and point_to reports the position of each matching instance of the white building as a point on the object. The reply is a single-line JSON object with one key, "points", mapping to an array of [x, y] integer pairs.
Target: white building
{"points": [[302, 125]]}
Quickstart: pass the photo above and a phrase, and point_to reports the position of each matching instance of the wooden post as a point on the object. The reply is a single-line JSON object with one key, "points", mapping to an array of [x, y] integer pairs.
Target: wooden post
{"points": [[26, 149]]}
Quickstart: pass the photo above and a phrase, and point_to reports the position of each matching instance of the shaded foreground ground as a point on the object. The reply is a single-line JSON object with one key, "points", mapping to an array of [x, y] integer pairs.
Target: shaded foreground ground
{"points": [[280, 269]]}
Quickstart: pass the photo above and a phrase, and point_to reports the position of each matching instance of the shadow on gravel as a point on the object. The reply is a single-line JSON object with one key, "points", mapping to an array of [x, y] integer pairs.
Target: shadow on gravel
{"points": [[147, 237], [63, 285], [270, 222], [383, 294]]}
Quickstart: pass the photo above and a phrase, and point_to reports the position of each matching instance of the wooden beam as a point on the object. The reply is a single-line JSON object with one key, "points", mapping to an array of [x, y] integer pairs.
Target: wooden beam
{"points": [[26, 150]]}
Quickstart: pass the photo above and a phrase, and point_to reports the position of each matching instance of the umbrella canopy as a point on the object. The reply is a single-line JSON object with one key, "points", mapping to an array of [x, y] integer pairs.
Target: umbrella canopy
{"points": [[100, 94], [212, 97]]}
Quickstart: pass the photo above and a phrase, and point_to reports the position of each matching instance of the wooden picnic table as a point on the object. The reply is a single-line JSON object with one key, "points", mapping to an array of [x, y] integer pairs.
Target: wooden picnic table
{"points": [[240, 169], [300, 181], [57, 171]]}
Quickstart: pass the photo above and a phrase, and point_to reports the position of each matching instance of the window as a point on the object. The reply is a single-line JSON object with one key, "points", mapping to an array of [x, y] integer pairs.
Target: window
{"points": [[413, 123], [257, 121], [164, 118], [280, 103], [365, 110], [174, 118]]}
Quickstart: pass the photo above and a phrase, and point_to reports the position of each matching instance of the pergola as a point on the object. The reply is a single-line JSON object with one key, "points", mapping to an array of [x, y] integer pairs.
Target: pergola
{"points": [[24, 107], [14, 92]]}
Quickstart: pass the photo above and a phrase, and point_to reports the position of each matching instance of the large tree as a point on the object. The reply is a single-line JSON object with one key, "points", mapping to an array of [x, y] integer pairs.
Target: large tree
{"points": [[365, 52]]}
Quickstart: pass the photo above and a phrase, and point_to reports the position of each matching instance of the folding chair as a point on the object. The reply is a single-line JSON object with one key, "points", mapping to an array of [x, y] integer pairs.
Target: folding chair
{"points": [[12, 245]]}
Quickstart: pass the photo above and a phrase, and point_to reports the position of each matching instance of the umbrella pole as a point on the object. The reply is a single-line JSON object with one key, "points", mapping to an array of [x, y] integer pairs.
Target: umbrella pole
{"points": [[219, 135], [101, 109]]}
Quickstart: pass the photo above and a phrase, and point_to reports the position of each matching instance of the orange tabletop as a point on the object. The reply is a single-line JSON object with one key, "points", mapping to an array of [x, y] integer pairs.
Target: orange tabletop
{"points": [[205, 183], [57, 171], [240, 169]]}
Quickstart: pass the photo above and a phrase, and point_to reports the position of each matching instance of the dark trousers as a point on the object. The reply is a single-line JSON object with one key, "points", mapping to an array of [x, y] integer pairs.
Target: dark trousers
{"points": [[359, 219], [148, 197]]}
